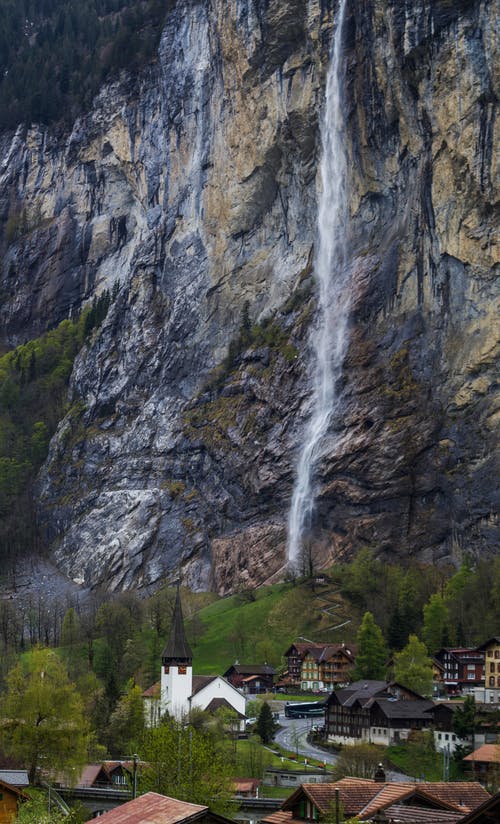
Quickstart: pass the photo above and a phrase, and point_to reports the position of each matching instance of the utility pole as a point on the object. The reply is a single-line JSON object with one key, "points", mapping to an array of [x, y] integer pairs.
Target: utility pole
{"points": [[135, 759]]}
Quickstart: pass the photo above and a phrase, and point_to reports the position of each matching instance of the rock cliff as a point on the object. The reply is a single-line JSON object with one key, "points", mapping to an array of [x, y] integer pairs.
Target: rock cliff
{"points": [[193, 188]]}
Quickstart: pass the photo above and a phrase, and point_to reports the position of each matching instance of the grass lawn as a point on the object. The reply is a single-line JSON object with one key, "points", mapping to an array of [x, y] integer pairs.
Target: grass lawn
{"points": [[233, 629], [421, 763]]}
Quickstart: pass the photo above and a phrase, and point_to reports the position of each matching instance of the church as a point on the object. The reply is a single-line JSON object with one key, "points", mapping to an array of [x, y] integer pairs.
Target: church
{"points": [[179, 691]]}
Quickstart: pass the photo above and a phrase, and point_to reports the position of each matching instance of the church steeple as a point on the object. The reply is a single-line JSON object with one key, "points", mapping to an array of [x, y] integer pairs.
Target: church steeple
{"points": [[176, 668], [177, 650]]}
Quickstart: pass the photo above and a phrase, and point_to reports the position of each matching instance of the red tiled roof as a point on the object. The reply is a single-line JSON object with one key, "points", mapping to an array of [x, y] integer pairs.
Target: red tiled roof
{"points": [[365, 797], [153, 808], [487, 812], [153, 691], [246, 785], [489, 753], [280, 817], [420, 815]]}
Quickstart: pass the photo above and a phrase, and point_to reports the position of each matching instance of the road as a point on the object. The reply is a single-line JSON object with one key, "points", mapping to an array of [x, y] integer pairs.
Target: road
{"points": [[292, 735]]}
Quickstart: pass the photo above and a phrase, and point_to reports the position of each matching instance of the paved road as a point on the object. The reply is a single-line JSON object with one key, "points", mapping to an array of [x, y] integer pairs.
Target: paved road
{"points": [[292, 735]]}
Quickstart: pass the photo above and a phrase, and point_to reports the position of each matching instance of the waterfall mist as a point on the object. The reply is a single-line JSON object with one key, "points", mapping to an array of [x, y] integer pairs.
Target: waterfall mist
{"points": [[330, 334]]}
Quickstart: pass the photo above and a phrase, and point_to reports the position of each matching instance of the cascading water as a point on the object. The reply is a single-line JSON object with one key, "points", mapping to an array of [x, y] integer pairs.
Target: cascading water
{"points": [[329, 337]]}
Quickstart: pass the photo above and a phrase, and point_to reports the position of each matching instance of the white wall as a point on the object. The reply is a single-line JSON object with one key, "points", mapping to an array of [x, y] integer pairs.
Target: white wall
{"points": [[219, 688], [175, 691]]}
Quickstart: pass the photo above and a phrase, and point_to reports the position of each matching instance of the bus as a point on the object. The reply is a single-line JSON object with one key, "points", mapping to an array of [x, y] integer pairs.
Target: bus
{"points": [[304, 709]]}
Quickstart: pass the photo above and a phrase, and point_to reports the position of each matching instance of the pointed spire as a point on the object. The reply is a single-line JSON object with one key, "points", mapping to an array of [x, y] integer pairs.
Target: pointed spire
{"points": [[177, 649]]}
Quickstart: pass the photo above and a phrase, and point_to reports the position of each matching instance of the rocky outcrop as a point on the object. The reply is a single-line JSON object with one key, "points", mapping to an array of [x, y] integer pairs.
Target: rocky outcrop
{"points": [[193, 187]]}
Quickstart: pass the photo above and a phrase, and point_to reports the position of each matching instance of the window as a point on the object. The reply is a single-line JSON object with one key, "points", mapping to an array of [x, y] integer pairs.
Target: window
{"points": [[471, 676], [492, 667], [182, 670], [492, 681], [497, 653]]}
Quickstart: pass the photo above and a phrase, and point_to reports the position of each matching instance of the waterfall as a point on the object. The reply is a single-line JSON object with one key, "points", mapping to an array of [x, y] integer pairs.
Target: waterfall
{"points": [[330, 333]]}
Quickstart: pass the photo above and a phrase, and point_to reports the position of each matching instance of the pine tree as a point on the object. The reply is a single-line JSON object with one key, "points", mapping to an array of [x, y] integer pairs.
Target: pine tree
{"points": [[265, 726], [372, 651]]}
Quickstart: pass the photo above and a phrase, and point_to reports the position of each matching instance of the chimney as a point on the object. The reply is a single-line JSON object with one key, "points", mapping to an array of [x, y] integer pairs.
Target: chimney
{"points": [[379, 776]]}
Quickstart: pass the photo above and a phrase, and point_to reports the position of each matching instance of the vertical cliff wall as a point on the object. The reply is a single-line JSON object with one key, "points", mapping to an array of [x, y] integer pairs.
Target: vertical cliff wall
{"points": [[193, 187]]}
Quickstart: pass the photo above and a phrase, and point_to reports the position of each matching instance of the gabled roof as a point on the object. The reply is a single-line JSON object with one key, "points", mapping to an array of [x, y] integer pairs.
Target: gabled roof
{"points": [[201, 681], [93, 773], [153, 691], [403, 709], [488, 753], [406, 814], [488, 812], [251, 669], [177, 647], [18, 778], [489, 642], [365, 797], [153, 808], [5, 786], [217, 703]]}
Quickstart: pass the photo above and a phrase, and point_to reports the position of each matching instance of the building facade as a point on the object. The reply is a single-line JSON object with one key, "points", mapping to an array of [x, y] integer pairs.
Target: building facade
{"points": [[491, 652], [463, 669], [375, 712]]}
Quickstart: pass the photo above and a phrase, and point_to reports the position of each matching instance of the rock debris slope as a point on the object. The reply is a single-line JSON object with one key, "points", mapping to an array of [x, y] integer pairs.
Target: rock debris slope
{"points": [[193, 187]]}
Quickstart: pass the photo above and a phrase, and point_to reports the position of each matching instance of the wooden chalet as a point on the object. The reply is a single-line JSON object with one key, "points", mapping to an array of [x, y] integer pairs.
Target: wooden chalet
{"points": [[318, 667], [10, 799], [251, 678], [485, 763], [378, 712], [463, 669], [366, 798]]}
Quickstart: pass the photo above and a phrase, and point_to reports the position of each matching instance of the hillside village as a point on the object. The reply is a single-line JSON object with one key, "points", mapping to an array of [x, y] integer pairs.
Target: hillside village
{"points": [[349, 713]]}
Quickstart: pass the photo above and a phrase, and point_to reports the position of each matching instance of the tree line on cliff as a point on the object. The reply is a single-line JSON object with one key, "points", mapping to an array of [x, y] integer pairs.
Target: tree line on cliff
{"points": [[55, 54]]}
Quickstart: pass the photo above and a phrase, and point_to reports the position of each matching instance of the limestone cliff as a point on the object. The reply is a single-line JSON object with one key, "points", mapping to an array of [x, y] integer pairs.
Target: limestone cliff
{"points": [[193, 186]]}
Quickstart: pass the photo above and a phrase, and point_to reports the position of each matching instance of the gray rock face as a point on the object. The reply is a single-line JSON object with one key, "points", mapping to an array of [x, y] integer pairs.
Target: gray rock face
{"points": [[194, 187]]}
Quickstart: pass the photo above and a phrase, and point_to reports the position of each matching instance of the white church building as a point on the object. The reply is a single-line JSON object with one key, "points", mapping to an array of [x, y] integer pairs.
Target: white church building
{"points": [[179, 691]]}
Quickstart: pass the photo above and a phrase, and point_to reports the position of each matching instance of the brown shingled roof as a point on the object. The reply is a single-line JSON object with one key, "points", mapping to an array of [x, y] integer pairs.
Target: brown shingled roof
{"points": [[153, 808]]}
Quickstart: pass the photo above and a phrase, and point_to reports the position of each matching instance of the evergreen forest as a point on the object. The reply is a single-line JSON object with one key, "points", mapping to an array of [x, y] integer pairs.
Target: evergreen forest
{"points": [[55, 54]]}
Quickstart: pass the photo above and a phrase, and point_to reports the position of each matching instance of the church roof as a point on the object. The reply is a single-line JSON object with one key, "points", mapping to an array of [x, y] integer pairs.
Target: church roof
{"points": [[177, 647], [201, 681], [217, 703]]}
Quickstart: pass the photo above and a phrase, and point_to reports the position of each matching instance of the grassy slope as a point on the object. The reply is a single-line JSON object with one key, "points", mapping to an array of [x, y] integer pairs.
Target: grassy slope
{"points": [[254, 631]]}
